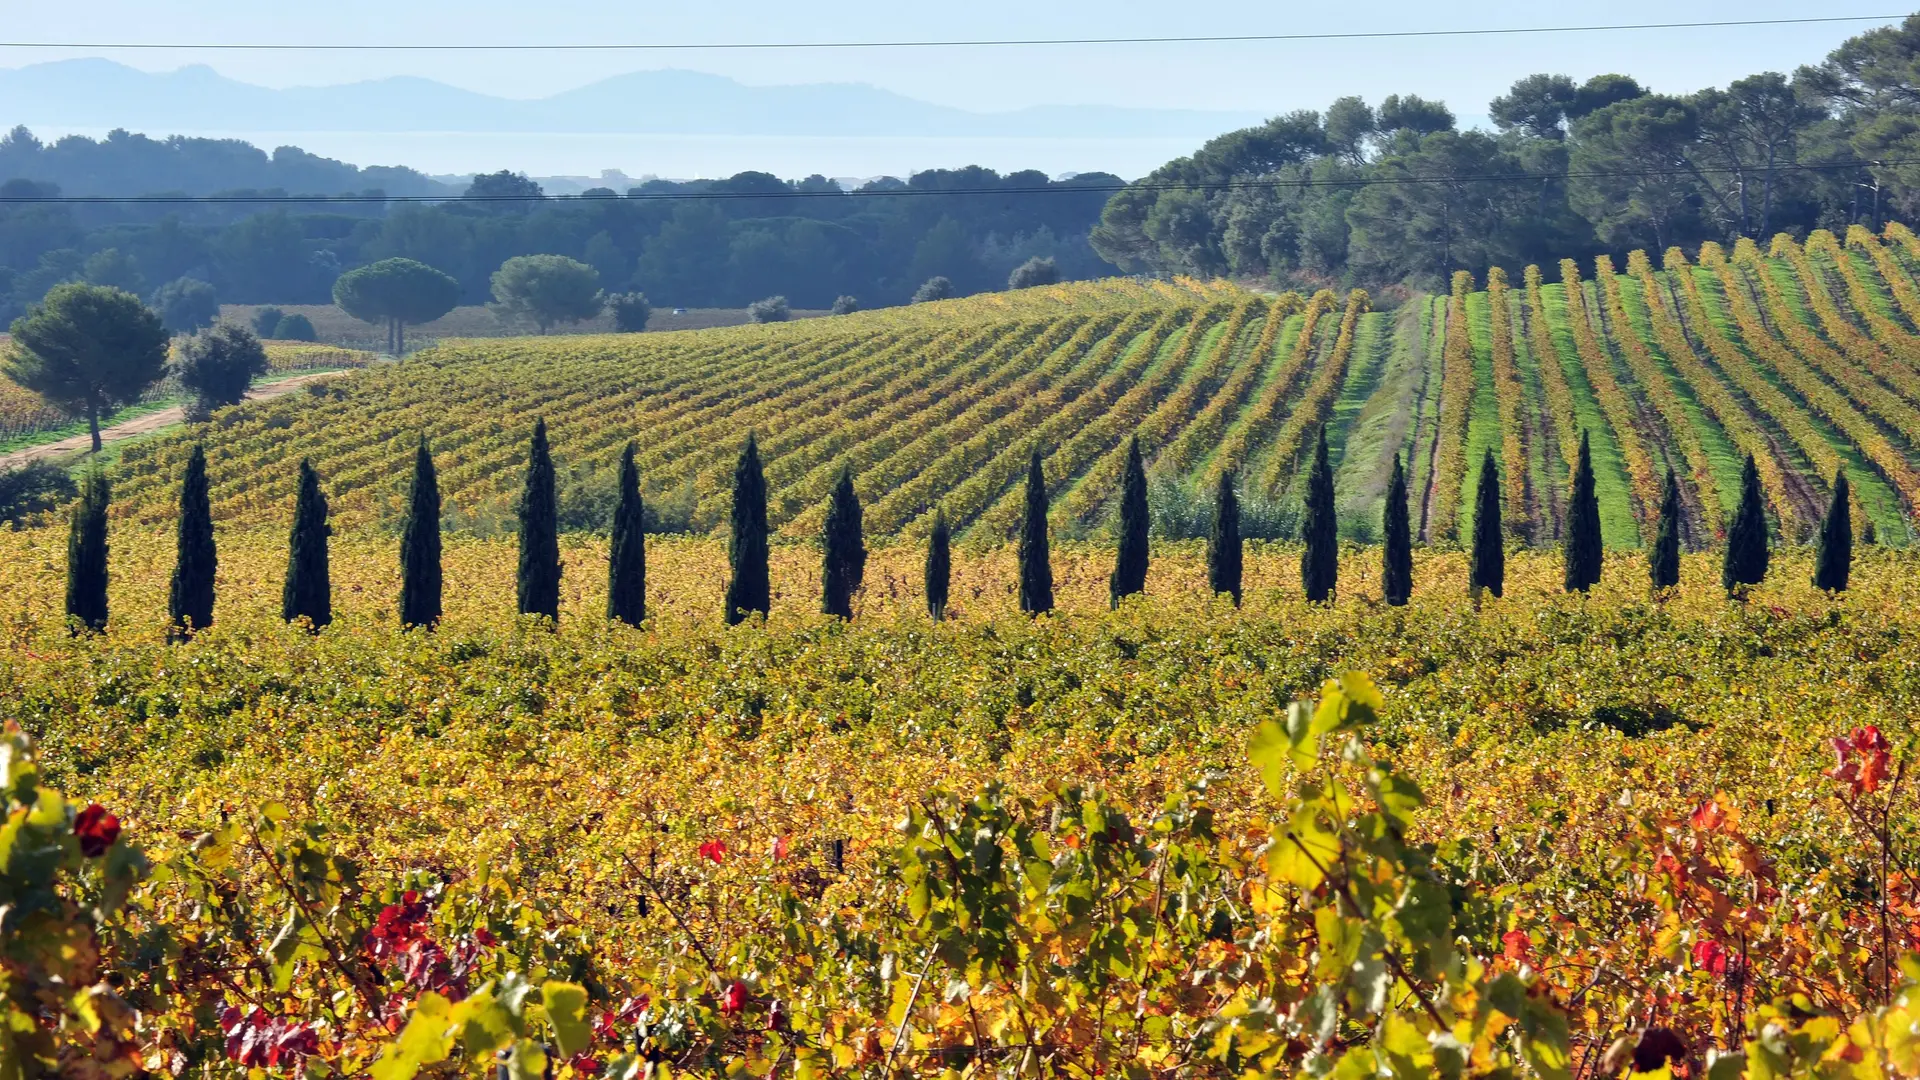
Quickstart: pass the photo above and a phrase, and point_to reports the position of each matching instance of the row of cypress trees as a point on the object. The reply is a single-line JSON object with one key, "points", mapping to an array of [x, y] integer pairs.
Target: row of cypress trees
{"points": [[307, 593]]}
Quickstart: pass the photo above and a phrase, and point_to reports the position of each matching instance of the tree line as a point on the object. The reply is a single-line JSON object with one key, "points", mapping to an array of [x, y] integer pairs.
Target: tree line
{"points": [[1395, 192], [306, 596], [757, 236]]}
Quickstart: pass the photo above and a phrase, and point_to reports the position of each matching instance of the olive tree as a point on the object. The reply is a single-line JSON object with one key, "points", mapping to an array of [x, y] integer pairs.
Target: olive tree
{"points": [[218, 366]]}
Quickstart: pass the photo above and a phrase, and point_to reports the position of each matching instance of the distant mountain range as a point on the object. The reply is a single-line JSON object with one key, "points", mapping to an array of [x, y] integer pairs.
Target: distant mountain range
{"points": [[98, 93]]}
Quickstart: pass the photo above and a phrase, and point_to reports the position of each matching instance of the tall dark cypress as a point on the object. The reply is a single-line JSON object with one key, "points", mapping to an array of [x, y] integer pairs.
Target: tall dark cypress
{"points": [[1746, 557], [1835, 562], [420, 574], [939, 566], [1226, 558], [1320, 561], [309, 588], [750, 589], [1663, 558], [1036, 566], [1129, 575], [538, 584], [627, 558], [1583, 550], [1489, 555], [87, 556], [190, 593], [843, 536], [1396, 573]]}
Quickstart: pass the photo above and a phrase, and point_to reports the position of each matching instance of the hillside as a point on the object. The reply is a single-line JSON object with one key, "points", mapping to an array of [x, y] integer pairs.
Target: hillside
{"points": [[1804, 355]]}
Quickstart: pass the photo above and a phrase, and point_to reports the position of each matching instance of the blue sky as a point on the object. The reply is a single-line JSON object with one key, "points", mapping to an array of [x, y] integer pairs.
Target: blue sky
{"points": [[1262, 77]]}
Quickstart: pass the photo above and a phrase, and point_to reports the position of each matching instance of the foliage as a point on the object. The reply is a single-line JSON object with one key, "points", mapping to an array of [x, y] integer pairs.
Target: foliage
{"points": [[186, 305], [1663, 555], [1037, 271], [421, 580], [937, 580], [32, 489], [266, 320], [218, 366], [1489, 547], [196, 563], [1748, 548], [1226, 553], [1584, 549], [843, 544], [1036, 560], [772, 309], [294, 327], [1320, 530], [87, 555], [1833, 562], [749, 586], [627, 549], [631, 311], [845, 305], [1396, 532], [547, 289], [934, 288], [1131, 525], [86, 350], [307, 595], [397, 292], [537, 587]]}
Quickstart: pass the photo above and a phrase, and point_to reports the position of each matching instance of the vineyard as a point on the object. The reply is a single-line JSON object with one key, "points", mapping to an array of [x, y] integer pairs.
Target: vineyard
{"points": [[1544, 833], [1805, 356]]}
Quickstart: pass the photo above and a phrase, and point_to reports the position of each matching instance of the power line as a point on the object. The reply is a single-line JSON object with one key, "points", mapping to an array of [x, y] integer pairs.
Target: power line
{"points": [[882, 193], [976, 43]]}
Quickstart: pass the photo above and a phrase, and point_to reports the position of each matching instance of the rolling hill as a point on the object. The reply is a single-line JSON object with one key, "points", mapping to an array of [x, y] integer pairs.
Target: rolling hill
{"points": [[1805, 355]]}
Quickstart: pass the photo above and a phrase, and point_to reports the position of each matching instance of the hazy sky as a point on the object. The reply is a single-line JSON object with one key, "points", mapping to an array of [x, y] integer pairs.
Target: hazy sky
{"points": [[1269, 77]]}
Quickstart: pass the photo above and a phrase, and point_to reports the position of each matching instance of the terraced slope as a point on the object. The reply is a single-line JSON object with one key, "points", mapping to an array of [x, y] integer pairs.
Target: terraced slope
{"points": [[1804, 355]]}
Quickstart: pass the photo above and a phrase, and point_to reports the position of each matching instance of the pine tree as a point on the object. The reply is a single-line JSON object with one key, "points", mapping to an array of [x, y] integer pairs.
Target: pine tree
{"points": [[420, 574], [1835, 562], [1489, 555], [1746, 558], [1226, 558], [627, 558], [1663, 558], [538, 583], [190, 593], [87, 556], [750, 589], [1129, 575], [1036, 567], [1320, 561], [309, 588], [1583, 550], [939, 566], [845, 564], [1396, 575]]}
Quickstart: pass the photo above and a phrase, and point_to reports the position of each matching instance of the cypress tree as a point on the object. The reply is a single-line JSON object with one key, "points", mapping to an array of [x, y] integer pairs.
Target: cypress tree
{"points": [[1036, 567], [87, 556], [750, 588], [538, 584], [309, 588], [1225, 556], [190, 593], [1663, 558], [1835, 562], [1129, 575], [1320, 561], [1746, 557], [939, 566], [845, 563], [1489, 556], [1396, 576], [1583, 549], [627, 558], [420, 576]]}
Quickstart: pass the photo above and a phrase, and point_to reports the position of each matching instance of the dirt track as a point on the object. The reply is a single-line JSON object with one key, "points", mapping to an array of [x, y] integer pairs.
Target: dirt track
{"points": [[145, 425]]}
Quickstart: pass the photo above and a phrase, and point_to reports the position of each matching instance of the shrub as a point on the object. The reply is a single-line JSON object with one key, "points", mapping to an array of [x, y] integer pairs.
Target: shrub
{"points": [[186, 305], [772, 309], [1034, 272], [935, 288], [845, 305], [630, 312], [218, 365], [295, 327], [33, 488], [266, 321]]}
